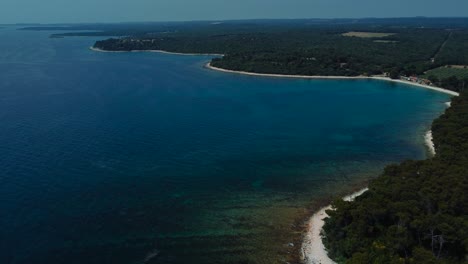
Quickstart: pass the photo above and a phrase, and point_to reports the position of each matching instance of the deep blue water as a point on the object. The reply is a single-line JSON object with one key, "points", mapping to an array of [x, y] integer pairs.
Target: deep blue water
{"points": [[150, 158]]}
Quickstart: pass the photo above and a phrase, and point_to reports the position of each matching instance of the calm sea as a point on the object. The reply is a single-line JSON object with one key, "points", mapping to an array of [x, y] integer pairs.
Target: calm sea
{"points": [[150, 158]]}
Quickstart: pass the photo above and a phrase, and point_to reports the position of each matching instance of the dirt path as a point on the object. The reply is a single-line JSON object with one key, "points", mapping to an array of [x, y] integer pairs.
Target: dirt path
{"points": [[441, 47]]}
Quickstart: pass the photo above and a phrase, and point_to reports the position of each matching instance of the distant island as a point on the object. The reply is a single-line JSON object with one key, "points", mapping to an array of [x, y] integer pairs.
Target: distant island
{"points": [[415, 212]]}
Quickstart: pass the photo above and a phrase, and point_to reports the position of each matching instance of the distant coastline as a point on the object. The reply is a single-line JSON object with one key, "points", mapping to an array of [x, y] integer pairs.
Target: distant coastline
{"points": [[381, 78], [156, 51], [313, 250]]}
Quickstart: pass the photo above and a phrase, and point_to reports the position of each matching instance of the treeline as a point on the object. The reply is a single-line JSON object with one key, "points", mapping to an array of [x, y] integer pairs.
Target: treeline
{"points": [[455, 50], [417, 211], [327, 52]]}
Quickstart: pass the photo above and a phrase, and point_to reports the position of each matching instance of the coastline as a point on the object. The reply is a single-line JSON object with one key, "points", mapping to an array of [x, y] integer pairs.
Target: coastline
{"points": [[313, 250], [429, 142], [318, 77], [429, 139], [157, 51]]}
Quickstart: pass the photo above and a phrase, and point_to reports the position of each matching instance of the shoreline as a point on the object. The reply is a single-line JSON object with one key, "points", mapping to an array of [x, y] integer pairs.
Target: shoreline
{"points": [[318, 77], [209, 66], [313, 250], [156, 51], [428, 139]]}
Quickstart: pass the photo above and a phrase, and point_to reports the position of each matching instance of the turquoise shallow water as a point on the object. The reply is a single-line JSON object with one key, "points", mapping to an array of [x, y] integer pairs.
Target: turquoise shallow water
{"points": [[150, 158]]}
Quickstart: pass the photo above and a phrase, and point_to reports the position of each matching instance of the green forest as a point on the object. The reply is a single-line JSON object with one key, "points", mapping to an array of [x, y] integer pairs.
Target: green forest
{"points": [[415, 212], [453, 77], [307, 51]]}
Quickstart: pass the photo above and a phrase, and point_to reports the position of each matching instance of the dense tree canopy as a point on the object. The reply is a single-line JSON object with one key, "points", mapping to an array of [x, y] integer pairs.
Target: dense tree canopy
{"points": [[303, 51]]}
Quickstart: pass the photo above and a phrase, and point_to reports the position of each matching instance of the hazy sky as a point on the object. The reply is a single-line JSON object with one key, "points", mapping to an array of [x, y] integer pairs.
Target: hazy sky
{"points": [[57, 11]]}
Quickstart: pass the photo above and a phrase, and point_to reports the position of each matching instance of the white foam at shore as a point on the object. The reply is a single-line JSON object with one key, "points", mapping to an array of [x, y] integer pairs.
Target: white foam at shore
{"points": [[429, 139]]}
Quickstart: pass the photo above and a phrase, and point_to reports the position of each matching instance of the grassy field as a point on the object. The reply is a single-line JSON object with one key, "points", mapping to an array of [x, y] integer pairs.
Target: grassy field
{"points": [[359, 34], [444, 72]]}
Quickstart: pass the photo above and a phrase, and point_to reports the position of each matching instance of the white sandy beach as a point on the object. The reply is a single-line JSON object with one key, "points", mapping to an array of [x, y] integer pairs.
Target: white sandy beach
{"points": [[209, 66], [313, 250], [429, 142], [158, 51]]}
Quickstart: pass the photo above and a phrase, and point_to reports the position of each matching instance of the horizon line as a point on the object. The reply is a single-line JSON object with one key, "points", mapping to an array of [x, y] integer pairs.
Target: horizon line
{"points": [[227, 20]]}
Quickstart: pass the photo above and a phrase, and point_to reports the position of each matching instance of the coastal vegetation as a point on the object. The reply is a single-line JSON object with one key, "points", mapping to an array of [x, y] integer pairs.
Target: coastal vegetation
{"points": [[453, 77], [415, 212]]}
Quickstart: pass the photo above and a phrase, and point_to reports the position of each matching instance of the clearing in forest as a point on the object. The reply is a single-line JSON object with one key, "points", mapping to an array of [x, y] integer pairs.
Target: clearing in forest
{"points": [[359, 34]]}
